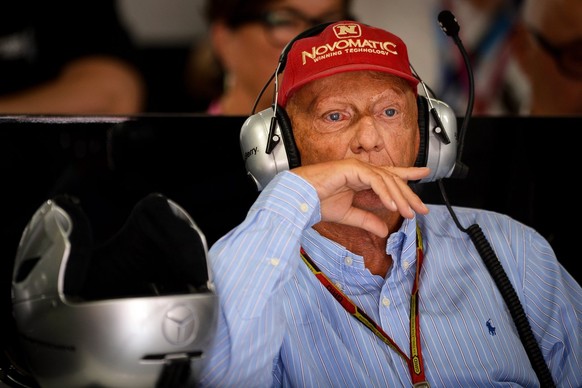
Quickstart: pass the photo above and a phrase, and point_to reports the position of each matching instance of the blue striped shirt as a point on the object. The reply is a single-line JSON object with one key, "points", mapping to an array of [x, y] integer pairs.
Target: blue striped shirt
{"points": [[280, 327]]}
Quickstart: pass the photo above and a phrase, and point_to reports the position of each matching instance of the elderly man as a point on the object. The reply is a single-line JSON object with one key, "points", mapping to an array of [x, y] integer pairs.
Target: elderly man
{"points": [[340, 275]]}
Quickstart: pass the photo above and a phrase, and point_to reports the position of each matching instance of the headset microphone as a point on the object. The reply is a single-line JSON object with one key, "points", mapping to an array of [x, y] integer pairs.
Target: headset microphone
{"points": [[450, 26]]}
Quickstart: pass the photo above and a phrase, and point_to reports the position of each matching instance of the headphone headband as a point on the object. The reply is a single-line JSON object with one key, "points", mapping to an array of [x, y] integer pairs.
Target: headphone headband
{"points": [[313, 31]]}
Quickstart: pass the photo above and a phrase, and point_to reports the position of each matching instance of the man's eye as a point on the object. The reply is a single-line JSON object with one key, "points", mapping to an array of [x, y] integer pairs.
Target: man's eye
{"points": [[390, 112], [334, 116]]}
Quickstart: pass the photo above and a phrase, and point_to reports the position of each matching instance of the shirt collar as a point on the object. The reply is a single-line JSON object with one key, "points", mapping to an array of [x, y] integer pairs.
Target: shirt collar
{"points": [[401, 246], [330, 256]]}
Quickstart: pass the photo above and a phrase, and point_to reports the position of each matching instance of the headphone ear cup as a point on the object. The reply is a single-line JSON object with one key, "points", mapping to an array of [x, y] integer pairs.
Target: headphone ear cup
{"points": [[423, 125], [255, 133], [435, 152], [286, 131]]}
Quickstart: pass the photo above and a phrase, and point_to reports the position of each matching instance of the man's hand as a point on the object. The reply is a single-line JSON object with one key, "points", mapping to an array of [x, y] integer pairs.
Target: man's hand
{"points": [[337, 182]]}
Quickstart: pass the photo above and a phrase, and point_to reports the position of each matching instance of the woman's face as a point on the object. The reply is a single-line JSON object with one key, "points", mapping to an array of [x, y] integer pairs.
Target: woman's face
{"points": [[250, 52], [555, 90]]}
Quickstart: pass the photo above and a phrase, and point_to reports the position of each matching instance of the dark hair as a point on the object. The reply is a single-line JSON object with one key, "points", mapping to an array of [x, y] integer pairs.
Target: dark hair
{"points": [[235, 12]]}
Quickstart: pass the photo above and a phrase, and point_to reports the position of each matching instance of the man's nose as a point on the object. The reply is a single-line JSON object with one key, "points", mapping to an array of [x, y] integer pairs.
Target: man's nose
{"points": [[368, 136]]}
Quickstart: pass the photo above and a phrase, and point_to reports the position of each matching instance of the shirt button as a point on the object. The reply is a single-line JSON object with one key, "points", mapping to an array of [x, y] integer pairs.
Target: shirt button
{"points": [[274, 261], [339, 286], [348, 260], [304, 208], [405, 264], [386, 301]]}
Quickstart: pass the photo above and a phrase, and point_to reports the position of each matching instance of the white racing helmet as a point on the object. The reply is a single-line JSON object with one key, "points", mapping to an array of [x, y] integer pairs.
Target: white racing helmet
{"points": [[137, 311]]}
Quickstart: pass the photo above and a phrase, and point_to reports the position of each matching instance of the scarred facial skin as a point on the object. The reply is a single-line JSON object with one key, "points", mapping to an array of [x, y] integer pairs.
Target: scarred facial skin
{"points": [[357, 135], [377, 124]]}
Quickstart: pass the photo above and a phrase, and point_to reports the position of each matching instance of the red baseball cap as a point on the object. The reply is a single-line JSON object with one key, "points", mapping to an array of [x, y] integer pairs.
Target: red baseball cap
{"points": [[344, 46]]}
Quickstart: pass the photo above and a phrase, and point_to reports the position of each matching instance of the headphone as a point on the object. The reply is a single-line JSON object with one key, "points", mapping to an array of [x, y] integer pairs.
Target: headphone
{"points": [[268, 145]]}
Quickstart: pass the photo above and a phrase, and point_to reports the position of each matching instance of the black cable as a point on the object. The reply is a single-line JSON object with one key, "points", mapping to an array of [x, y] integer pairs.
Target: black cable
{"points": [[450, 27], [261, 94], [508, 293], [471, 101]]}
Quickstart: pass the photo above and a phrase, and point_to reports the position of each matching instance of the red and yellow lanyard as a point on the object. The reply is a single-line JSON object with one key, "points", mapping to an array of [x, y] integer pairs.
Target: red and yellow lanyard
{"points": [[414, 362]]}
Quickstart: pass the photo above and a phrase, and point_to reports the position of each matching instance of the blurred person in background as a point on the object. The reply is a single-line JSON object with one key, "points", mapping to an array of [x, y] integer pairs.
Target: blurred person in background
{"points": [[245, 41], [486, 31], [67, 57], [548, 46]]}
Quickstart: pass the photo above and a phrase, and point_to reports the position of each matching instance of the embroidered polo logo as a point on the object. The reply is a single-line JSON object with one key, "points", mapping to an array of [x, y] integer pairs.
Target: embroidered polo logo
{"points": [[490, 326]]}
